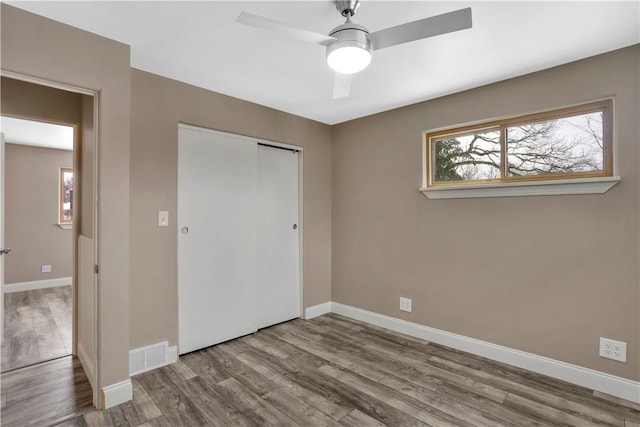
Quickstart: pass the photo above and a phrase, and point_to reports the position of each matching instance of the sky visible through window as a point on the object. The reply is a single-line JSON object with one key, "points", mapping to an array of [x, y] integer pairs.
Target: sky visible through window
{"points": [[559, 146]]}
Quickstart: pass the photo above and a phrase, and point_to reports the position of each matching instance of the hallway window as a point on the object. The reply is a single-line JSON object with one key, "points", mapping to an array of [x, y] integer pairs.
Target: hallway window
{"points": [[65, 203]]}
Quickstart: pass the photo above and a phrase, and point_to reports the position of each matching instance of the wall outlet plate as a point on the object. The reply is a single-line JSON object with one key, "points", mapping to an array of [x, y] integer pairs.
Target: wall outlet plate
{"points": [[46, 269], [405, 304], [611, 349]]}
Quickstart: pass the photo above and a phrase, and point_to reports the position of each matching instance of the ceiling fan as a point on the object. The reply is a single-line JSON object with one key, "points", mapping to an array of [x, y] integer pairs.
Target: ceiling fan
{"points": [[349, 46]]}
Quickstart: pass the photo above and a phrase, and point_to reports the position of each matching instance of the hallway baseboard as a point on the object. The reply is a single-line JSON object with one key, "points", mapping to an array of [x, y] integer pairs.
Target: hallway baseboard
{"points": [[36, 284]]}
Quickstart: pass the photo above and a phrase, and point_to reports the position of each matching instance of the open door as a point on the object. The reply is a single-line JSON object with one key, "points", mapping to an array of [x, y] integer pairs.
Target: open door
{"points": [[3, 250], [86, 234]]}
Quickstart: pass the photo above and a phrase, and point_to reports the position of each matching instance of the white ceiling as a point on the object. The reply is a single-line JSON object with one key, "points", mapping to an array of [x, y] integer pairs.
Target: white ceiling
{"points": [[200, 43], [39, 134]]}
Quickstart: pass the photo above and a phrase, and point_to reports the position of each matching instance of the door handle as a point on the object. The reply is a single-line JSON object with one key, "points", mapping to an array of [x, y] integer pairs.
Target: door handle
{"points": [[5, 251]]}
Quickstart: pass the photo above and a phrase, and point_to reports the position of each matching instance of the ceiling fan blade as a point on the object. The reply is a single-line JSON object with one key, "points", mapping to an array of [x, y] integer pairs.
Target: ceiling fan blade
{"points": [[283, 29], [341, 85], [422, 28]]}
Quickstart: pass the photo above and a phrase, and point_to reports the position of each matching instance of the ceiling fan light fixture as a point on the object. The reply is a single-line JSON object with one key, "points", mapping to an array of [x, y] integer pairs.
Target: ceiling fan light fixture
{"points": [[351, 52], [349, 46], [349, 59]]}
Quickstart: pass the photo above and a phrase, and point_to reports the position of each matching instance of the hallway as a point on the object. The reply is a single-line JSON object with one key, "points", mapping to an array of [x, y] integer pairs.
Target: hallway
{"points": [[37, 327]]}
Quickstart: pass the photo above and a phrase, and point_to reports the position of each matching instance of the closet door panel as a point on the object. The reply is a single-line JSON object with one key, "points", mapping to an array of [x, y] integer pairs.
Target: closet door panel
{"points": [[217, 183], [278, 236]]}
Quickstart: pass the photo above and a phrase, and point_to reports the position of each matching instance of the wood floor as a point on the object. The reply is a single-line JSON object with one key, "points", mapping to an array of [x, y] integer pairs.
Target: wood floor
{"points": [[332, 371], [37, 326], [45, 394]]}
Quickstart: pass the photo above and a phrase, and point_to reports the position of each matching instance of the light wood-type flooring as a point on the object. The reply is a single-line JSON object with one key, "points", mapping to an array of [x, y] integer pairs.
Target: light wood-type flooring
{"points": [[37, 326], [333, 371]]}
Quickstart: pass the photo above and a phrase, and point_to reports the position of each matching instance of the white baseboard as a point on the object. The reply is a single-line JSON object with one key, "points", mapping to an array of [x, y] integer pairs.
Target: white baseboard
{"points": [[585, 377], [317, 310], [87, 364], [117, 393], [36, 284]]}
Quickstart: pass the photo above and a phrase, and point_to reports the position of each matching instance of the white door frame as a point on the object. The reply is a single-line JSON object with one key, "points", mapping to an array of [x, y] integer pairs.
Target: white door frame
{"points": [[300, 151], [95, 94]]}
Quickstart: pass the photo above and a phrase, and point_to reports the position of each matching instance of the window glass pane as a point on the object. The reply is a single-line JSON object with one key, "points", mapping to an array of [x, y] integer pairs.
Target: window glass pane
{"points": [[470, 157], [66, 196], [566, 145]]}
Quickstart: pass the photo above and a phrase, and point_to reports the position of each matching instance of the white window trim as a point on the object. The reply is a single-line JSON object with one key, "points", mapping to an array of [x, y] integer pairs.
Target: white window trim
{"points": [[523, 188]]}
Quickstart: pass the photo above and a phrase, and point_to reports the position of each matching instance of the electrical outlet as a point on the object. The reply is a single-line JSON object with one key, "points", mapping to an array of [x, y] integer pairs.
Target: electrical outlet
{"points": [[611, 349], [405, 304], [46, 269]]}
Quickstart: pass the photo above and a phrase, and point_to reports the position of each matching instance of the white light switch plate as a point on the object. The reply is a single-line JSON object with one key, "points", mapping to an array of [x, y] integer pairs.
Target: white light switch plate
{"points": [[163, 218]]}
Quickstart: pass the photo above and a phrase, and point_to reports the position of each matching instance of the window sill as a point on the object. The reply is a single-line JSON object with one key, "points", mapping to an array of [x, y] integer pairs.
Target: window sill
{"points": [[65, 226], [534, 188]]}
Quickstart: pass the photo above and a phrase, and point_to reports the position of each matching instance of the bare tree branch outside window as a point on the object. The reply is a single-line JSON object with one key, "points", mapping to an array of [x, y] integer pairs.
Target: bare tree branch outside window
{"points": [[65, 202], [565, 145]]}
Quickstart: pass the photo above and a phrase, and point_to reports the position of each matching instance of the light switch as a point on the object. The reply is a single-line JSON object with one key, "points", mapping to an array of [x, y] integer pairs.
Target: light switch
{"points": [[163, 218]]}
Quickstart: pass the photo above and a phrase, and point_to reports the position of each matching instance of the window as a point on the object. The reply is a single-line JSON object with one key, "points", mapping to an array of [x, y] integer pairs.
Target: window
{"points": [[574, 142], [65, 201]]}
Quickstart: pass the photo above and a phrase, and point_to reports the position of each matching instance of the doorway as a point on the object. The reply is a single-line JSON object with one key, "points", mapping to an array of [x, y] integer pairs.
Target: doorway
{"points": [[38, 218], [74, 211]]}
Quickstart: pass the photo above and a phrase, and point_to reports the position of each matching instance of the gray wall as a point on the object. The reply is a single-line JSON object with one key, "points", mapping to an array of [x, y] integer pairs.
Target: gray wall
{"points": [[46, 49], [158, 105], [31, 213], [546, 275]]}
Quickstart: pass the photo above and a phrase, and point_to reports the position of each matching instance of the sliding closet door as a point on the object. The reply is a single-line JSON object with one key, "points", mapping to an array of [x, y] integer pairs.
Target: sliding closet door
{"points": [[278, 286], [217, 179]]}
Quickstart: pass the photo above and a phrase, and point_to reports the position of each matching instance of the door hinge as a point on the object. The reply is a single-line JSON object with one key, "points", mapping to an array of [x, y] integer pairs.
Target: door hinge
{"points": [[95, 269]]}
